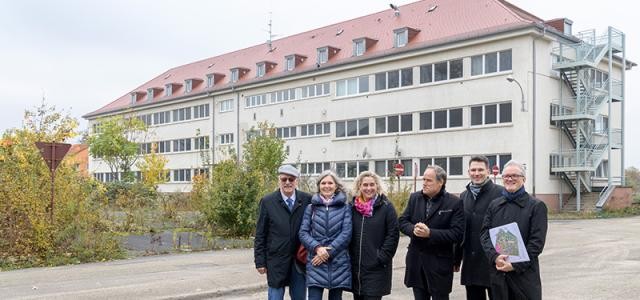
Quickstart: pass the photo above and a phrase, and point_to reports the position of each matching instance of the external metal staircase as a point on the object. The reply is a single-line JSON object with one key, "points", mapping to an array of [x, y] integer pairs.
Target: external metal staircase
{"points": [[591, 88]]}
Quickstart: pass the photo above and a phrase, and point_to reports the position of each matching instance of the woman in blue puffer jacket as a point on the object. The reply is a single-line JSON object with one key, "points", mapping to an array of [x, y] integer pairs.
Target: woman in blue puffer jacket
{"points": [[326, 232]]}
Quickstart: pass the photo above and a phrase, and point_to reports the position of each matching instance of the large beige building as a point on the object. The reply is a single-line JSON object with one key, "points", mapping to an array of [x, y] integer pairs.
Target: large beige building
{"points": [[423, 84]]}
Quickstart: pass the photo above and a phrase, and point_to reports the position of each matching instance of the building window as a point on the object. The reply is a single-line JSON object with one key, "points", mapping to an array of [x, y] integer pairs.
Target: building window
{"points": [[491, 62], [498, 159], [255, 100], [235, 75], [226, 139], [447, 118], [182, 175], [445, 70], [359, 46], [201, 111], [161, 117], [290, 62], [314, 168], [386, 168], [394, 79], [168, 89], [323, 55], [149, 94], [491, 114], [395, 123], [144, 148], [210, 81], [352, 86], [315, 90], [201, 142], [226, 105], [283, 95], [188, 86], [146, 119], [182, 114], [400, 37], [355, 127], [315, 129], [164, 146], [204, 172], [182, 145], [351, 169], [602, 171], [261, 69], [286, 132], [453, 164]]}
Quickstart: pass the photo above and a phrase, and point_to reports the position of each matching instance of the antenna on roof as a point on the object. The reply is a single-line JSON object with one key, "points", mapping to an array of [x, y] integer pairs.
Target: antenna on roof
{"points": [[271, 35], [396, 10]]}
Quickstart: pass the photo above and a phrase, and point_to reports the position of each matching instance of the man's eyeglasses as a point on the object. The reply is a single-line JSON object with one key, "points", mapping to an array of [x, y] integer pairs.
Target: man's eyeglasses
{"points": [[285, 179], [512, 176]]}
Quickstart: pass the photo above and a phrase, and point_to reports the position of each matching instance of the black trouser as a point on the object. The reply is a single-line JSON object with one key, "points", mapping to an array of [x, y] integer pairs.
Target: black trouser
{"points": [[365, 297], [423, 294], [478, 292]]}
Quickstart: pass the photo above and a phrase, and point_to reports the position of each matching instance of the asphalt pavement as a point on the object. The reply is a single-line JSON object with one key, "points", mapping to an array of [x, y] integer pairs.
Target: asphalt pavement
{"points": [[582, 259]]}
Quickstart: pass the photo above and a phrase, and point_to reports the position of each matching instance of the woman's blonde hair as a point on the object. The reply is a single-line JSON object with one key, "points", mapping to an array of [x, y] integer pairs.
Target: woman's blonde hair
{"points": [[361, 177]]}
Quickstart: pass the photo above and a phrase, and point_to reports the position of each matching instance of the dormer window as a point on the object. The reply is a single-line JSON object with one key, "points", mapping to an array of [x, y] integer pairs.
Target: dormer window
{"points": [[325, 53], [188, 86], [234, 75], [149, 94], [168, 89], [261, 69], [213, 79], [237, 73], [358, 47], [290, 63], [137, 96], [361, 45], [402, 36]]}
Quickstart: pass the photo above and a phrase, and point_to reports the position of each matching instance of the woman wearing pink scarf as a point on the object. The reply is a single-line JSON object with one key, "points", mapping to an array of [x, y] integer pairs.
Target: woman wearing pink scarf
{"points": [[374, 238]]}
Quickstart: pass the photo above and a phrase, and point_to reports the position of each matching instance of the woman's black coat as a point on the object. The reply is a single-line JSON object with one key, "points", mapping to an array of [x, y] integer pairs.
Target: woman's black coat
{"points": [[374, 241]]}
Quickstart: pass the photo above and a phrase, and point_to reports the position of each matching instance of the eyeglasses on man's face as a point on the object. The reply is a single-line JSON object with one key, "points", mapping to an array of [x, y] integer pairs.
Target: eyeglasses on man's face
{"points": [[285, 179], [511, 176]]}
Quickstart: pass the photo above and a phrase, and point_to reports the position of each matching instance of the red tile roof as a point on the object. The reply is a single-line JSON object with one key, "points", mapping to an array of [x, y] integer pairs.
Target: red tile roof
{"points": [[451, 20]]}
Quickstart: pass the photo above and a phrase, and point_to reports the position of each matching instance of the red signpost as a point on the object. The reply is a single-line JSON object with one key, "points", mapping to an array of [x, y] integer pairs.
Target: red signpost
{"points": [[53, 153]]}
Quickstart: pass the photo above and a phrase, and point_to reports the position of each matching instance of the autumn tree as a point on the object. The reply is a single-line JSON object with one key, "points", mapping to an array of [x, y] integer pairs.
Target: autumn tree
{"points": [[116, 142], [230, 201], [27, 235], [152, 168]]}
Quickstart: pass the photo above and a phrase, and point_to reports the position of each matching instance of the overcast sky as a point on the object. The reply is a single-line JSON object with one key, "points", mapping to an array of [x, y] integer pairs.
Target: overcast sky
{"points": [[81, 55]]}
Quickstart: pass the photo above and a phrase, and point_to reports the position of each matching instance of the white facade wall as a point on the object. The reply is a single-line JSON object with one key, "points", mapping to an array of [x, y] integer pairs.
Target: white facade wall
{"points": [[515, 138]]}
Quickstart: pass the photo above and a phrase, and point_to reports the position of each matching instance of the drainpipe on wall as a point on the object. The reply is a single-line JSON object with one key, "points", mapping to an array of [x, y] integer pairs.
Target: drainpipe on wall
{"points": [[212, 134], [237, 126], [533, 112]]}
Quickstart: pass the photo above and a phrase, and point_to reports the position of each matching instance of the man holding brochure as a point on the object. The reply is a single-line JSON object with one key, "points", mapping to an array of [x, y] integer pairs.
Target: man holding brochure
{"points": [[511, 279]]}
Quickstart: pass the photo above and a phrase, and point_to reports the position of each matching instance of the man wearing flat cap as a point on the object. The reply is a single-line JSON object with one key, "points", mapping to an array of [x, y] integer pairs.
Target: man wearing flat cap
{"points": [[276, 242]]}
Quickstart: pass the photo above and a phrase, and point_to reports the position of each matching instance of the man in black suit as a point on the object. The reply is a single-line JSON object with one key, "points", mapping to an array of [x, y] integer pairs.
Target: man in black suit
{"points": [[476, 267], [276, 242], [434, 219]]}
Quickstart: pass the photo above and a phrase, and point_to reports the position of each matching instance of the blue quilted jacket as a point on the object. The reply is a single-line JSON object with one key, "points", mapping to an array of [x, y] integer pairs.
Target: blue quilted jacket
{"points": [[330, 225]]}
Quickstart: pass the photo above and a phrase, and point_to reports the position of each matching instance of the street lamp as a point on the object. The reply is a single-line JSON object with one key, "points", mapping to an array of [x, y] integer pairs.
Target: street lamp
{"points": [[511, 79]]}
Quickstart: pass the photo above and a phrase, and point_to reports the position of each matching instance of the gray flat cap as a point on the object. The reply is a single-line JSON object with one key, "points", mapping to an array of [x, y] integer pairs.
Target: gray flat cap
{"points": [[289, 170]]}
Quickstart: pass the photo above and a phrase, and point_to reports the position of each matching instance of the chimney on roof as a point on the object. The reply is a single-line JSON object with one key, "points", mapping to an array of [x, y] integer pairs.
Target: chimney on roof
{"points": [[563, 25]]}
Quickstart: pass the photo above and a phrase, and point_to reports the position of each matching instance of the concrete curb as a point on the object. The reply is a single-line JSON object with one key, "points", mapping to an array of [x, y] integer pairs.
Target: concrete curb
{"points": [[232, 291]]}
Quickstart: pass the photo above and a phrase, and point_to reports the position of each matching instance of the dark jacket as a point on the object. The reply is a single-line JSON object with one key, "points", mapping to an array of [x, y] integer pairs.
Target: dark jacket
{"points": [[476, 266], [531, 216], [374, 241], [432, 256], [330, 225], [276, 239]]}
